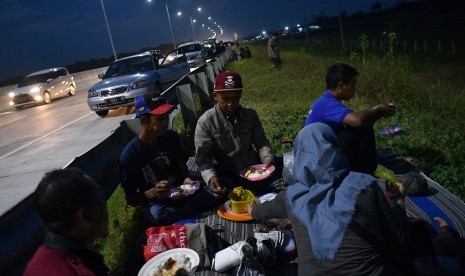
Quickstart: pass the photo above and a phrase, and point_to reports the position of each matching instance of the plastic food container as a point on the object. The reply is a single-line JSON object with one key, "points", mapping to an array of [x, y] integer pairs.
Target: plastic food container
{"points": [[239, 203]]}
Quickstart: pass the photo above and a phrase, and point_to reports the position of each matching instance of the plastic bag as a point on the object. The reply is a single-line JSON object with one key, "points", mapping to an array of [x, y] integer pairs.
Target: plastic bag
{"points": [[288, 160], [250, 265]]}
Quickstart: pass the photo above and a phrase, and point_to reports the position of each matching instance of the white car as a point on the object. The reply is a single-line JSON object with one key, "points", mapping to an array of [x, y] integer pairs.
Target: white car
{"points": [[194, 52], [130, 77], [43, 86]]}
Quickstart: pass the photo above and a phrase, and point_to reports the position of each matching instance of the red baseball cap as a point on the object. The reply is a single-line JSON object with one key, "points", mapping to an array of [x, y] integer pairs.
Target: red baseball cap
{"points": [[153, 104], [226, 81]]}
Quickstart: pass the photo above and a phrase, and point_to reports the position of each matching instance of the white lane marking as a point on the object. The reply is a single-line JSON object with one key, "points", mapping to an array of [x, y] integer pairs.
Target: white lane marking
{"points": [[4, 113], [13, 121], [43, 136]]}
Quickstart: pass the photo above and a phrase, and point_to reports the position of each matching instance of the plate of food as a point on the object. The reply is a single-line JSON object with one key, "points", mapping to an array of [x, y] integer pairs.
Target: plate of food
{"points": [[184, 190], [228, 208], [170, 262], [257, 172], [229, 215]]}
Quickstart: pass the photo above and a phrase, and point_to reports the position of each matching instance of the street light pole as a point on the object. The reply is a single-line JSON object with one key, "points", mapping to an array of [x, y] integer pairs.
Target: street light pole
{"points": [[192, 25], [108, 29], [171, 27], [340, 25]]}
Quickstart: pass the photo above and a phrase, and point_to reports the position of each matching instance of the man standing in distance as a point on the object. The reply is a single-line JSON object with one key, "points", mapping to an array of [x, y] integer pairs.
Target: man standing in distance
{"points": [[273, 51]]}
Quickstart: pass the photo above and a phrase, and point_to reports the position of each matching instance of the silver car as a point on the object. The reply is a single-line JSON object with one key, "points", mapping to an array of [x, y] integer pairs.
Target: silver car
{"points": [[194, 52], [130, 77], [43, 86]]}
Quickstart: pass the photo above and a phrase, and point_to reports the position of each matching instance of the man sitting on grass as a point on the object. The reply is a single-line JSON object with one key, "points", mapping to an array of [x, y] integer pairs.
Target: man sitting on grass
{"points": [[229, 138], [354, 128], [153, 164]]}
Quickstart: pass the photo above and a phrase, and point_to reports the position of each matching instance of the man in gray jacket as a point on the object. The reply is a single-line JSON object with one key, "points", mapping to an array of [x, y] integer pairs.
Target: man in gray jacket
{"points": [[229, 137]]}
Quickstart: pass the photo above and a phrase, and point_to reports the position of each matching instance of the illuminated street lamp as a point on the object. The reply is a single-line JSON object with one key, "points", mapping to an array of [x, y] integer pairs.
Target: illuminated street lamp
{"points": [[108, 29]]}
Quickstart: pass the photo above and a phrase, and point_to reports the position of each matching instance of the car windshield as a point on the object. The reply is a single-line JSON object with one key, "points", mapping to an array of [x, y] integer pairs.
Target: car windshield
{"points": [[129, 66], [30, 80], [191, 48]]}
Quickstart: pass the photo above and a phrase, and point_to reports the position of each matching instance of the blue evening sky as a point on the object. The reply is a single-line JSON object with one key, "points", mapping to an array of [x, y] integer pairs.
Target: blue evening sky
{"points": [[42, 34]]}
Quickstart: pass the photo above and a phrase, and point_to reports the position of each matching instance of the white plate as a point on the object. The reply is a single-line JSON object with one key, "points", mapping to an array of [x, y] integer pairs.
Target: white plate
{"points": [[189, 190], [151, 266]]}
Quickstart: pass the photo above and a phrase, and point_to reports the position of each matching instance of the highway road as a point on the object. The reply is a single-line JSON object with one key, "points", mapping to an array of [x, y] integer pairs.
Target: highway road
{"points": [[40, 138]]}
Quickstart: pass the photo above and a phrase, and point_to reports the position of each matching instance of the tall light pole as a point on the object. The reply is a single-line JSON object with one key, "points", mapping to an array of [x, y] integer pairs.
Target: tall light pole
{"points": [[340, 25], [171, 27], [108, 29], [192, 25], [169, 21]]}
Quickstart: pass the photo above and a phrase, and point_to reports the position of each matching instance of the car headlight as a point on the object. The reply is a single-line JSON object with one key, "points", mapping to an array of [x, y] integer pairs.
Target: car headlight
{"points": [[11, 94], [139, 84], [92, 93], [35, 89]]}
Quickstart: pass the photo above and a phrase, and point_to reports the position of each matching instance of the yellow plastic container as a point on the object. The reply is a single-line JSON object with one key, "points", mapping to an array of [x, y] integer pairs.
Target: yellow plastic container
{"points": [[239, 203]]}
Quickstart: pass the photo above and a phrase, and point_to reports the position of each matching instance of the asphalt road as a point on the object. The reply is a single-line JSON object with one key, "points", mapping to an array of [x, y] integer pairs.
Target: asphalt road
{"points": [[37, 139]]}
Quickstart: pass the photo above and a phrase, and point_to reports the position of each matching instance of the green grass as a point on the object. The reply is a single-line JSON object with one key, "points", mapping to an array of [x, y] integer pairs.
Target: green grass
{"points": [[427, 91], [124, 229]]}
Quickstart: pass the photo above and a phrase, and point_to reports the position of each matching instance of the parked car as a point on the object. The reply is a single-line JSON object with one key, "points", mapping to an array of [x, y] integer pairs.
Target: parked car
{"points": [[194, 52], [210, 47], [130, 77], [43, 86]]}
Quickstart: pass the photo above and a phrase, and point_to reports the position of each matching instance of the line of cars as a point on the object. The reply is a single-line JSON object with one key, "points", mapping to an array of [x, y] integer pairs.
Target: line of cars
{"points": [[124, 80]]}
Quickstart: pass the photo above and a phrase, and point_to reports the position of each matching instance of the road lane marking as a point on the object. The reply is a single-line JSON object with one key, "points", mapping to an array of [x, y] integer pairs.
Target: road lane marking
{"points": [[12, 121], [44, 136]]}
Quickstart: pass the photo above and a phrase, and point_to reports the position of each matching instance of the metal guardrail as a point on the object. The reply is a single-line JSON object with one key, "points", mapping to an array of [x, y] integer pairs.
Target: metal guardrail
{"points": [[21, 229]]}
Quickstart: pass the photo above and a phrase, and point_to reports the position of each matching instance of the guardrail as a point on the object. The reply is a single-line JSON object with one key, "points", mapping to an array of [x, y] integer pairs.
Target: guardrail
{"points": [[21, 229]]}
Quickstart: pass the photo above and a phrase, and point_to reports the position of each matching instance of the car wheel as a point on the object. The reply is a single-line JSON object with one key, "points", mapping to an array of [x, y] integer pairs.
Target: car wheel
{"points": [[102, 113], [47, 98], [72, 90]]}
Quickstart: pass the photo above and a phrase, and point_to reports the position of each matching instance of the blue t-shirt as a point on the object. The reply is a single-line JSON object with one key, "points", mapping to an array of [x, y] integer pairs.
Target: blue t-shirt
{"points": [[142, 165], [329, 110]]}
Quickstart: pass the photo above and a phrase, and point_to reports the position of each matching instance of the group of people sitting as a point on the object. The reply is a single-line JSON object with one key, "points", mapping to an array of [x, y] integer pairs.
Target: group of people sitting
{"points": [[332, 202]]}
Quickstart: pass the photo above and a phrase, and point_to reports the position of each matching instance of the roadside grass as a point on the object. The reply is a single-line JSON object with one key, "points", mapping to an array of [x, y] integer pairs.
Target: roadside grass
{"points": [[125, 228], [428, 97], [427, 93]]}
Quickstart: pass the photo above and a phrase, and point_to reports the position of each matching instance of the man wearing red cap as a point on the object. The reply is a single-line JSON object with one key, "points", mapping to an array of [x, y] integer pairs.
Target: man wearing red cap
{"points": [[154, 163], [229, 137]]}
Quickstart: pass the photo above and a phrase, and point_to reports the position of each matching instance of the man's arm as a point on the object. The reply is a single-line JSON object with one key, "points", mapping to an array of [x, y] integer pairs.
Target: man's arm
{"points": [[203, 141], [369, 116], [129, 184], [275, 208]]}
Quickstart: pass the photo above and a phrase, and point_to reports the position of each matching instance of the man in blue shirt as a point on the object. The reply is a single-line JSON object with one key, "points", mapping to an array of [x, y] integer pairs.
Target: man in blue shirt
{"points": [[354, 128]]}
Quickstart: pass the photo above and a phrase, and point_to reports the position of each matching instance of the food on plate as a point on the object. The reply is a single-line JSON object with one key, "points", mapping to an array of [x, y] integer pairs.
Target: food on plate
{"points": [[239, 194], [177, 264], [182, 190], [254, 172]]}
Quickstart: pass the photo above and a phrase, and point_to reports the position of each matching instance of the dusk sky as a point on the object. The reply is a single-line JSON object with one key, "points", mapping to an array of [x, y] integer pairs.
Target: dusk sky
{"points": [[43, 34]]}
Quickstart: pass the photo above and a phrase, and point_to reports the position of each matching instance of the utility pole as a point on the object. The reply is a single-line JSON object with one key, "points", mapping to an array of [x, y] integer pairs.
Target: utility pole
{"points": [[340, 25]]}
